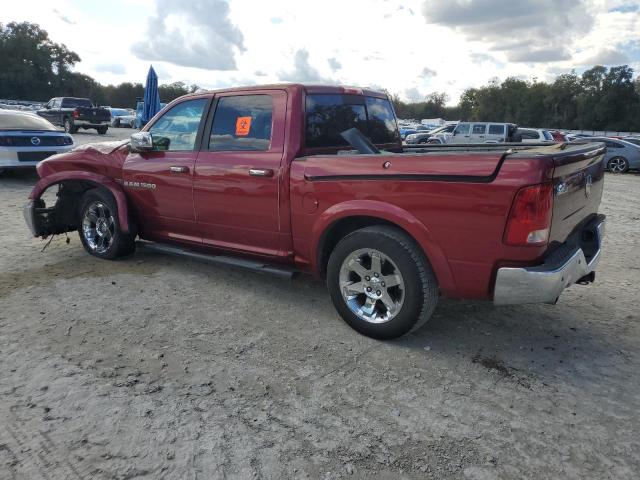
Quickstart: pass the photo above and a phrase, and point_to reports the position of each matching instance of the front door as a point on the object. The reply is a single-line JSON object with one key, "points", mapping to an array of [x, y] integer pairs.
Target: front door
{"points": [[160, 182], [238, 173], [461, 134]]}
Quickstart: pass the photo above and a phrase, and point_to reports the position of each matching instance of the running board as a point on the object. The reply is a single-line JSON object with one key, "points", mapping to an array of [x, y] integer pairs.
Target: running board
{"points": [[253, 265]]}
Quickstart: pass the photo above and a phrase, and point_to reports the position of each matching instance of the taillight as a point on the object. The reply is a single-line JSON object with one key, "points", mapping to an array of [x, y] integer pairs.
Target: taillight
{"points": [[76, 114], [530, 216]]}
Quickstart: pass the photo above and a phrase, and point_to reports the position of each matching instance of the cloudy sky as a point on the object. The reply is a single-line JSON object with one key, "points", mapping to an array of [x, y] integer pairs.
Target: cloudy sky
{"points": [[410, 47]]}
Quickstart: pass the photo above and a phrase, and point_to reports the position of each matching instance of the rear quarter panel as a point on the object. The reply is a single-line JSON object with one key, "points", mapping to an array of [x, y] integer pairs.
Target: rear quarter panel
{"points": [[454, 205]]}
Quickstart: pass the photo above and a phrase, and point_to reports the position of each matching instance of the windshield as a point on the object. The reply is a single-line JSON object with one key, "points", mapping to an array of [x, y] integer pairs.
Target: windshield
{"points": [[23, 121]]}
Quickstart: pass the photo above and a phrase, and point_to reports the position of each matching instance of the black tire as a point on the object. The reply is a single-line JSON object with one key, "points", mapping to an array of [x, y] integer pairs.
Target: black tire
{"points": [[102, 130], [69, 127], [420, 284], [116, 124], [121, 244], [618, 165]]}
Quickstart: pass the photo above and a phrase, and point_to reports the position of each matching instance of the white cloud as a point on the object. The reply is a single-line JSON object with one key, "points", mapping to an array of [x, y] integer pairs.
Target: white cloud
{"points": [[116, 68], [197, 33], [302, 70], [266, 42]]}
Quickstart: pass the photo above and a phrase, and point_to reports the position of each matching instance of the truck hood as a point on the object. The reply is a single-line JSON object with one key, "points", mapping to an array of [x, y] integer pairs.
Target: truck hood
{"points": [[105, 158]]}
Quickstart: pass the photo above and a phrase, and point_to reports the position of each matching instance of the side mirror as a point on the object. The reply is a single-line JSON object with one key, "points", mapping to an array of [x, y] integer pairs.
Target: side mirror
{"points": [[141, 142], [454, 133], [48, 107]]}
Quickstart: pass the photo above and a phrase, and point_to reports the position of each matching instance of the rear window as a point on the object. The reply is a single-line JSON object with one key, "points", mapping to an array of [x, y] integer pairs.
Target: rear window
{"points": [[328, 115], [76, 102], [23, 121], [547, 135]]}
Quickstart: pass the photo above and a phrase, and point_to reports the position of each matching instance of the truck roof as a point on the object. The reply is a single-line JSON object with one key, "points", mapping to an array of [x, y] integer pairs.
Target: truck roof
{"points": [[308, 88]]}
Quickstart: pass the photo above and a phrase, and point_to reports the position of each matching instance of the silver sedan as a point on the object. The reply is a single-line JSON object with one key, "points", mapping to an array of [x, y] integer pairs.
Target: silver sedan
{"points": [[25, 139], [621, 155]]}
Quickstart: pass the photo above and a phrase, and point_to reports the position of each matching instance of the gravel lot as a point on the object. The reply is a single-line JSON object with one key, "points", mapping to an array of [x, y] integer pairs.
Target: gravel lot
{"points": [[157, 367]]}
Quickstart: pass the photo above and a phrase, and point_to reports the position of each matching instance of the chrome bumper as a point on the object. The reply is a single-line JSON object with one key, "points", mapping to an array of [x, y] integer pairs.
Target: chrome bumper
{"points": [[544, 283], [89, 123]]}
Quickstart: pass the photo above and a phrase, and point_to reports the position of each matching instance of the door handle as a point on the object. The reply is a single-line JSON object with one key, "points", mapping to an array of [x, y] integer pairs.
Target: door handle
{"points": [[179, 169], [261, 172]]}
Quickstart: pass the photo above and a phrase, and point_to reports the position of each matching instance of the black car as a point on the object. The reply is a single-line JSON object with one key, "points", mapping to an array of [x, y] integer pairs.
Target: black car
{"points": [[75, 113]]}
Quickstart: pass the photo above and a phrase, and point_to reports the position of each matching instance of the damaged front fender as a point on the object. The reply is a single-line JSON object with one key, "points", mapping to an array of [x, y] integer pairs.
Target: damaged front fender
{"points": [[63, 216]]}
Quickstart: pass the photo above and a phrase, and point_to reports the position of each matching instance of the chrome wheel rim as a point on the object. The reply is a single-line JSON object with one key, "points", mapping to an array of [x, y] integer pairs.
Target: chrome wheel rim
{"points": [[372, 285], [617, 165], [98, 227]]}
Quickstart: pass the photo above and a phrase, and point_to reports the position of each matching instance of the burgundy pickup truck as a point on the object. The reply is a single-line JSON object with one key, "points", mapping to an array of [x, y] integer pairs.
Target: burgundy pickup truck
{"points": [[315, 179]]}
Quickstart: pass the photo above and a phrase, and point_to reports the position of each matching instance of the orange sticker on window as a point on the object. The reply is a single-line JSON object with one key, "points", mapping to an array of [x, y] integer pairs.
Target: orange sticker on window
{"points": [[243, 124]]}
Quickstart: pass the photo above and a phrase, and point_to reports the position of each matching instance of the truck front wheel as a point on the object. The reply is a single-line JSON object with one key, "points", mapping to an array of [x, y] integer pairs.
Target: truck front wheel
{"points": [[102, 130], [99, 227], [381, 283]]}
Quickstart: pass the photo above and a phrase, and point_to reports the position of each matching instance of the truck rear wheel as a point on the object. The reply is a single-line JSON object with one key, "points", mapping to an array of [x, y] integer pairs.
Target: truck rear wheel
{"points": [[99, 227], [381, 283], [69, 127]]}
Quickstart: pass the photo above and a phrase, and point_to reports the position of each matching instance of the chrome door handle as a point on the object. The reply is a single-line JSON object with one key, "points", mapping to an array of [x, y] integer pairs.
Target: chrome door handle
{"points": [[179, 169], [261, 172]]}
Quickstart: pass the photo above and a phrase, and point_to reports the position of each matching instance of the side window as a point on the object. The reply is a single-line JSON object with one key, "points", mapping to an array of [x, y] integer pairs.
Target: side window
{"points": [[611, 144], [328, 115], [382, 121], [463, 129], [177, 129], [496, 129], [56, 103], [242, 122], [528, 134], [449, 128], [479, 129]]}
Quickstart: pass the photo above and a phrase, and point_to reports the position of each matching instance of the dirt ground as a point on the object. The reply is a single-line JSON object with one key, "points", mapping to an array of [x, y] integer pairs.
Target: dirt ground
{"points": [[157, 367]]}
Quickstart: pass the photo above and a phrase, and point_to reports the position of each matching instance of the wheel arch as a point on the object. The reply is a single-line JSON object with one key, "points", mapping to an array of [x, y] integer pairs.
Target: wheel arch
{"points": [[345, 218], [85, 181]]}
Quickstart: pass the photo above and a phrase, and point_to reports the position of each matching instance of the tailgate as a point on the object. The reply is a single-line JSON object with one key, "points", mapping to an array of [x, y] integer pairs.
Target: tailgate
{"points": [[578, 179], [94, 114]]}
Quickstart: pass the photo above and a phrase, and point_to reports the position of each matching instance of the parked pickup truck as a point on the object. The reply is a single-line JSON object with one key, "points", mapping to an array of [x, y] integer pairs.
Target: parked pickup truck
{"points": [[74, 113], [314, 178]]}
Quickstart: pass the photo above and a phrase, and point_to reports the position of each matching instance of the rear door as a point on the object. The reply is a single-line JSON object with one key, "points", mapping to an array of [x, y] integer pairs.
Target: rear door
{"points": [[478, 133], [238, 173], [160, 183]]}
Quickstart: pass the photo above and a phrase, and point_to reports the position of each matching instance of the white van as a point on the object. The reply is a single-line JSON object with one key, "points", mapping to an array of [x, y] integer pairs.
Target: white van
{"points": [[484, 132]]}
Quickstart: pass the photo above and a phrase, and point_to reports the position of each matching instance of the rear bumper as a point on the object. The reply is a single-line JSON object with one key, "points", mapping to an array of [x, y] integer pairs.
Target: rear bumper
{"points": [[91, 123], [574, 261]]}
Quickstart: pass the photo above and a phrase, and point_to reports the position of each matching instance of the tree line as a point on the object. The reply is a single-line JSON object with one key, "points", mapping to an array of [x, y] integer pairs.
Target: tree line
{"points": [[600, 99], [36, 68]]}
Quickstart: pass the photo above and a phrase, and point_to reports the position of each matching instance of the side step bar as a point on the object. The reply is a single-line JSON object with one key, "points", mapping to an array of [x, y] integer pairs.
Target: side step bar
{"points": [[248, 264]]}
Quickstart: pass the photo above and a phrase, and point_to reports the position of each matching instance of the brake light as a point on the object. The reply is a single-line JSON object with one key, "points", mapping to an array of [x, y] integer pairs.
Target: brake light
{"points": [[529, 220], [76, 114]]}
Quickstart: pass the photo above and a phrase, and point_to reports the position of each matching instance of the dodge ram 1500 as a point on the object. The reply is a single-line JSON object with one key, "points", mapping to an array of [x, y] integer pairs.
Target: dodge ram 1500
{"points": [[315, 178]]}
